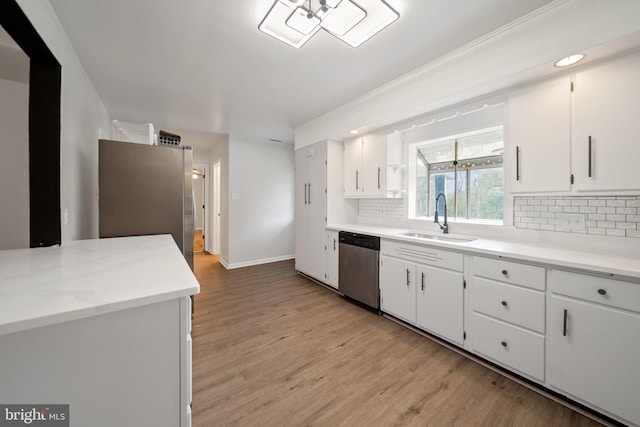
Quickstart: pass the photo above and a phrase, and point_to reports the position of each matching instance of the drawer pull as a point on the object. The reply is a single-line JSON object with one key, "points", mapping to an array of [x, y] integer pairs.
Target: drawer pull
{"points": [[504, 303], [602, 291], [564, 324], [504, 344], [505, 273]]}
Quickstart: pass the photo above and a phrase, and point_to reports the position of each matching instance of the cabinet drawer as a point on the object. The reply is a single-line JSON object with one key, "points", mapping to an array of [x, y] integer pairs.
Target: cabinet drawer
{"points": [[510, 272], [508, 345], [523, 307], [601, 290], [422, 254]]}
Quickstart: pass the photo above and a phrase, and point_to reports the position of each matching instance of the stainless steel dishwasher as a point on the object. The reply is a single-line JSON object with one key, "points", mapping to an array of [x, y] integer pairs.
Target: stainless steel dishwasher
{"points": [[359, 257]]}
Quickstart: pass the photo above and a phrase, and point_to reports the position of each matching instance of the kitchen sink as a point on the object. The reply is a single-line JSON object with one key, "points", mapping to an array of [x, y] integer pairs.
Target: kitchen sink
{"points": [[440, 237]]}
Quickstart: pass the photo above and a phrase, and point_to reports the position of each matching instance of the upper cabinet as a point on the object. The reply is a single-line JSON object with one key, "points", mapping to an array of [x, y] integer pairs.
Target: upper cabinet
{"points": [[539, 134], [605, 145], [367, 167], [585, 139]]}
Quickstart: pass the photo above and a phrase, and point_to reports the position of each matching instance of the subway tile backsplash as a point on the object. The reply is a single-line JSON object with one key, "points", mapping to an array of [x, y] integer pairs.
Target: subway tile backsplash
{"points": [[610, 216], [381, 208]]}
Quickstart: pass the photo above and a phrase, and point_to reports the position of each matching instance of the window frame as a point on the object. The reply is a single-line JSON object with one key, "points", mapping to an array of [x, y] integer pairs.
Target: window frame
{"points": [[457, 165]]}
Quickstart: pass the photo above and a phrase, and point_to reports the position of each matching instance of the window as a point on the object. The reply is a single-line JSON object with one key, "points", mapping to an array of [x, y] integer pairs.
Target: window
{"points": [[467, 168]]}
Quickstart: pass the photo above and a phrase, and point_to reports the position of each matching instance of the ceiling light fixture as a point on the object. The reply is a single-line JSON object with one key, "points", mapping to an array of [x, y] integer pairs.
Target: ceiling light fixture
{"points": [[354, 132], [569, 60], [294, 22]]}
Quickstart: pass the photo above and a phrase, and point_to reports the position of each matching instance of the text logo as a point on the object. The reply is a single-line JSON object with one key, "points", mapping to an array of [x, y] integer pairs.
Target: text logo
{"points": [[34, 415]]}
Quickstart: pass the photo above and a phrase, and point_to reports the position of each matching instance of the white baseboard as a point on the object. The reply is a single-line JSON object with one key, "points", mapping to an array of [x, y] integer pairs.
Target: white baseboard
{"points": [[230, 266]]}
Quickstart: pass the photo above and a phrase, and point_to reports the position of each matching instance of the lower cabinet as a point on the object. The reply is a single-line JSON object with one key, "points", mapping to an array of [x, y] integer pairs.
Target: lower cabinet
{"points": [[424, 287], [331, 258], [576, 334], [593, 347], [398, 288], [130, 367], [440, 294], [506, 320]]}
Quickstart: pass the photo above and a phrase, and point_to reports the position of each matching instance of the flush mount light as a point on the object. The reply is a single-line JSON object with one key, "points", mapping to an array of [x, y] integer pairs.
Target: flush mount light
{"points": [[570, 60], [294, 22], [354, 132]]}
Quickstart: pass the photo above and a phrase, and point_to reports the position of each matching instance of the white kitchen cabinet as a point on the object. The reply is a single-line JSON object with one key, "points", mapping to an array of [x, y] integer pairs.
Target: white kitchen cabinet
{"points": [[538, 153], [398, 288], [440, 302], [319, 201], [593, 350], [365, 166], [423, 286], [137, 360], [353, 168], [310, 210], [331, 259], [506, 316], [605, 146]]}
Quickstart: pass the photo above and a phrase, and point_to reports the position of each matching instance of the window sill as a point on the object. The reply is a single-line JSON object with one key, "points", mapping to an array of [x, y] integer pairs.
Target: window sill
{"points": [[461, 221]]}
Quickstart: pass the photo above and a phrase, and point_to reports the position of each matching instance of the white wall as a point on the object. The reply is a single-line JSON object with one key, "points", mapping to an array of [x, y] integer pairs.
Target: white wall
{"points": [[519, 52], [261, 201], [84, 120], [14, 165]]}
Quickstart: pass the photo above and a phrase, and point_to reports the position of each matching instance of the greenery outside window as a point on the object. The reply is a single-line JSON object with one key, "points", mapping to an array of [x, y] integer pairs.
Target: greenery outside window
{"points": [[467, 168]]}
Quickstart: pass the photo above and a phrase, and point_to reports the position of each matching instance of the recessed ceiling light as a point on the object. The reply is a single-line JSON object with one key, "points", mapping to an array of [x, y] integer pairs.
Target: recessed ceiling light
{"points": [[354, 132], [569, 60]]}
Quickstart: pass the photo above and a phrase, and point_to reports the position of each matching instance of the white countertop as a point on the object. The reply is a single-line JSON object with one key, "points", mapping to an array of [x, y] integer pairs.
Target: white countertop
{"points": [[84, 278], [608, 263]]}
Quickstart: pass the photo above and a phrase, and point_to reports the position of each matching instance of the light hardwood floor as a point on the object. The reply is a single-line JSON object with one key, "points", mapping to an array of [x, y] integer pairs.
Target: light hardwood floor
{"points": [[271, 348], [198, 241]]}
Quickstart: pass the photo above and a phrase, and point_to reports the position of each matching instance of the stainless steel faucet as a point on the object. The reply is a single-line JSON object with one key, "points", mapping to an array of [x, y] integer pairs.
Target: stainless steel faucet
{"points": [[445, 226]]}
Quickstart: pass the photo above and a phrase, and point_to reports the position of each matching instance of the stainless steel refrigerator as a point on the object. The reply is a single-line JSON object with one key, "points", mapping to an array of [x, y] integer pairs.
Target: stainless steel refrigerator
{"points": [[146, 189]]}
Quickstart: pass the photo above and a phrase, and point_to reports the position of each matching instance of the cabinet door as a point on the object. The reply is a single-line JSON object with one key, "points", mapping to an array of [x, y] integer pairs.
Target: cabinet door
{"points": [[353, 168], [595, 357], [374, 165], [539, 137], [606, 112], [440, 302], [331, 259], [301, 212], [398, 288], [316, 214]]}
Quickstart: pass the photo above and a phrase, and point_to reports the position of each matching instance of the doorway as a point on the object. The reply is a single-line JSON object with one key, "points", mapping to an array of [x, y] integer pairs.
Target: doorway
{"points": [[201, 187], [216, 208]]}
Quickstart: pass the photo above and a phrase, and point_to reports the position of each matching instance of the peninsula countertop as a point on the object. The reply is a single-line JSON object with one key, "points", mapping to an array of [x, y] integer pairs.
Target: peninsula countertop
{"points": [[84, 278]]}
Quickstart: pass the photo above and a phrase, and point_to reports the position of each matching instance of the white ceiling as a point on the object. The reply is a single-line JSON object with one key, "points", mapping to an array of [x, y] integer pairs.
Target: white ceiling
{"points": [[202, 65]]}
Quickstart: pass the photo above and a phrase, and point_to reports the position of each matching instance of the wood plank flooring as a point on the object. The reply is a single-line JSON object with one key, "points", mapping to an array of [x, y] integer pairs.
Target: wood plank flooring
{"points": [[198, 241], [271, 348]]}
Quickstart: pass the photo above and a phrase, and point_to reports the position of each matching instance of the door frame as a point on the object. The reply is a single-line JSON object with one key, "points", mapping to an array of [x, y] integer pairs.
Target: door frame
{"points": [[216, 208], [206, 233]]}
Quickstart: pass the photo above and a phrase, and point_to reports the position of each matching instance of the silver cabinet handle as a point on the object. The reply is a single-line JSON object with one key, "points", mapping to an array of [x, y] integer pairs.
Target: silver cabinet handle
{"points": [[379, 177], [517, 163], [423, 281], [590, 155], [309, 187], [564, 323], [357, 186], [408, 273], [305, 193], [334, 244]]}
